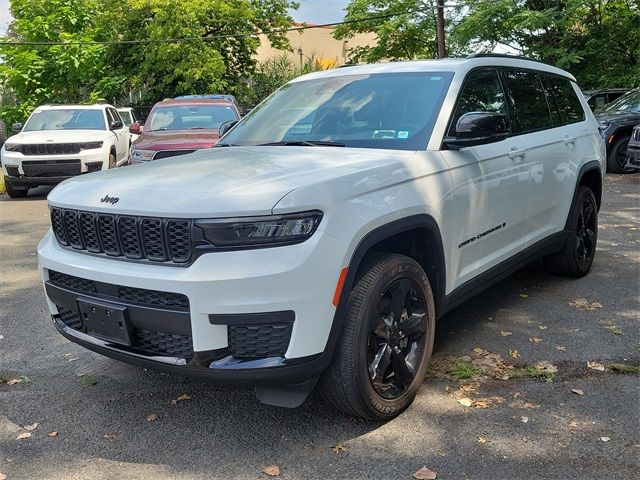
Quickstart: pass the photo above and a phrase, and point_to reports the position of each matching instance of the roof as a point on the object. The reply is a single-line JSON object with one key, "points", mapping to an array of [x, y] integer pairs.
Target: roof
{"points": [[58, 106], [195, 101], [455, 65]]}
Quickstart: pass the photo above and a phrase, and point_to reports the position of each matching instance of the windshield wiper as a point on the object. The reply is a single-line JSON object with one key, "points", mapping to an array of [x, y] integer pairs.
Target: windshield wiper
{"points": [[303, 143], [226, 145]]}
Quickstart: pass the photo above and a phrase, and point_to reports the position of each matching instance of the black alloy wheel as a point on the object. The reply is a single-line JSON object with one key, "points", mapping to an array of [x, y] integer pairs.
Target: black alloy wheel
{"points": [[585, 240], [397, 338]]}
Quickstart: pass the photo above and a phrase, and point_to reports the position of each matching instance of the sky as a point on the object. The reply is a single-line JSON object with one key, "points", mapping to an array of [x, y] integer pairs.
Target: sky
{"points": [[310, 11]]}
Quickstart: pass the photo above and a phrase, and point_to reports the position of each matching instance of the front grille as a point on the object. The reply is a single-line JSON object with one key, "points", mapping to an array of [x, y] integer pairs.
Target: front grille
{"points": [[132, 237], [259, 341], [170, 153], [58, 168], [51, 149], [148, 341], [141, 296]]}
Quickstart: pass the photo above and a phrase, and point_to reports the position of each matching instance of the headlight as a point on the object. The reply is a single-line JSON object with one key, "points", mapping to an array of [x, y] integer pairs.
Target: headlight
{"points": [[255, 232], [90, 145], [142, 155], [12, 147]]}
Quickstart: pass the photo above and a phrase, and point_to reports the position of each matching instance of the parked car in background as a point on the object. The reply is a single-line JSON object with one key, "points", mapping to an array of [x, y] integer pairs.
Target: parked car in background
{"points": [[62, 141], [597, 99], [633, 149], [182, 125], [3, 133], [616, 124], [129, 116], [343, 216]]}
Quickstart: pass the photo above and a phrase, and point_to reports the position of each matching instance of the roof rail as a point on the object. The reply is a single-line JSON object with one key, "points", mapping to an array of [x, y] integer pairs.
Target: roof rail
{"points": [[229, 98], [503, 55]]}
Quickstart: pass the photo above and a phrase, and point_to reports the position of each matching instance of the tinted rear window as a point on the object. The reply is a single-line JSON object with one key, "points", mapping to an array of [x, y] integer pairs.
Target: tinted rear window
{"points": [[528, 99], [563, 101]]}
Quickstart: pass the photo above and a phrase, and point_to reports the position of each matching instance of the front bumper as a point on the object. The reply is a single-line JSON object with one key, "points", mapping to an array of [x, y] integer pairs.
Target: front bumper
{"points": [[633, 154], [221, 285]]}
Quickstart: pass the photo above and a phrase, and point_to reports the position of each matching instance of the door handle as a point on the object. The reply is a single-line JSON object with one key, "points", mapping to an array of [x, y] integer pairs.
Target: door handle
{"points": [[516, 152], [569, 140]]}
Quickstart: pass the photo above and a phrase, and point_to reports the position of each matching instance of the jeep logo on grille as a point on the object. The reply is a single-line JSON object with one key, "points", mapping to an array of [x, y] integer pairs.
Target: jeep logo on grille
{"points": [[108, 199]]}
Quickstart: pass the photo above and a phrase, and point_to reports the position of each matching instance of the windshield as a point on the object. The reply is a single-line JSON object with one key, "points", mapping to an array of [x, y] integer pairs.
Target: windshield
{"points": [[126, 117], [66, 119], [386, 110], [188, 117], [630, 101]]}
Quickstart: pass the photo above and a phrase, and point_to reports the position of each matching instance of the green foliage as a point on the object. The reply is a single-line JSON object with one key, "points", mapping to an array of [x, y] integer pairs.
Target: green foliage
{"points": [[273, 73], [462, 370]]}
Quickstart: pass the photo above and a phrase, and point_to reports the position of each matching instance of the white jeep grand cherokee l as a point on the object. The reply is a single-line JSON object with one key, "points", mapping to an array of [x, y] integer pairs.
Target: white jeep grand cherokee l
{"points": [[61, 141], [330, 228]]}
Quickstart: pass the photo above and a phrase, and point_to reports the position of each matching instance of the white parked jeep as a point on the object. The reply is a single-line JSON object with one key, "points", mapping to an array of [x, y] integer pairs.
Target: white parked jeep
{"points": [[62, 141], [331, 227]]}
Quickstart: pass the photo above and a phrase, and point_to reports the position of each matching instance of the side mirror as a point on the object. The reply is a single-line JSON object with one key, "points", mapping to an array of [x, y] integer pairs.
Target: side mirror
{"points": [[135, 128], [478, 128], [116, 125], [16, 127], [226, 126]]}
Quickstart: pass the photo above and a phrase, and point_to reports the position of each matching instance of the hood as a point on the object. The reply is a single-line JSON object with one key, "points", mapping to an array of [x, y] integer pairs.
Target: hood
{"points": [[216, 182], [60, 136], [176, 139], [619, 117]]}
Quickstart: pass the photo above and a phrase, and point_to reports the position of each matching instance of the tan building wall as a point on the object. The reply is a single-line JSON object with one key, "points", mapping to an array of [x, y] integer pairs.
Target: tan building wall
{"points": [[314, 43]]}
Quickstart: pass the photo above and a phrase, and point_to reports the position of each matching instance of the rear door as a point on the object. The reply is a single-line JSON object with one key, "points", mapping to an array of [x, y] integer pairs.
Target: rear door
{"points": [[491, 182], [122, 134]]}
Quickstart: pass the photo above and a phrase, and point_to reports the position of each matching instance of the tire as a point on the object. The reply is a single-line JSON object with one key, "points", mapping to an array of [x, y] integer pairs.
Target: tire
{"points": [[616, 161], [112, 160], [348, 384], [14, 192], [576, 257]]}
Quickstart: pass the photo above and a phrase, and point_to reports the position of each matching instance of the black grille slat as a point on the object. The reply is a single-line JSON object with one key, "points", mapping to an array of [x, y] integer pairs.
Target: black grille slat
{"points": [[70, 218], [69, 318], [74, 283], [153, 297], [89, 231], [179, 236], [259, 341], [108, 234], [162, 343], [129, 237], [171, 153], [154, 243], [50, 149], [57, 225]]}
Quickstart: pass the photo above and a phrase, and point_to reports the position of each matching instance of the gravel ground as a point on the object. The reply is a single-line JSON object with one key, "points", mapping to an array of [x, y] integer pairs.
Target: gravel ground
{"points": [[530, 428]]}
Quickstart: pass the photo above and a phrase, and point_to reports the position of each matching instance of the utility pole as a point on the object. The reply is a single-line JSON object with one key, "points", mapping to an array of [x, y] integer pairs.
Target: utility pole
{"points": [[442, 49]]}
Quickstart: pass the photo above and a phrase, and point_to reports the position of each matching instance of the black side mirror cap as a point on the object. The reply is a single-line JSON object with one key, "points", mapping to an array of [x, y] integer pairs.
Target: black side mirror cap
{"points": [[479, 128], [226, 126], [17, 127], [116, 125]]}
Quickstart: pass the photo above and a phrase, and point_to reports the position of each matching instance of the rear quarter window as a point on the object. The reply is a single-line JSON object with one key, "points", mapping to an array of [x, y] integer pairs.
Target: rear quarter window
{"points": [[528, 101], [564, 104]]}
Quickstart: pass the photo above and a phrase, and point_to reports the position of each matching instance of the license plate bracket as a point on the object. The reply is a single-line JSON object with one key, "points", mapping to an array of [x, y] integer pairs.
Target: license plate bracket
{"points": [[105, 320]]}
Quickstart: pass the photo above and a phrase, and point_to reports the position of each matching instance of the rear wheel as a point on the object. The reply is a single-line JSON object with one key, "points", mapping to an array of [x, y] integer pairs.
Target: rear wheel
{"points": [[15, 192], [576, 257], [386, 342], [617, 160]]}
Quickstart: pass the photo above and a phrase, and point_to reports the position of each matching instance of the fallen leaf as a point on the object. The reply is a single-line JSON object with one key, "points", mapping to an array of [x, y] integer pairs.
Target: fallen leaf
{"points": [[183, 397], [560, 348], [518, 395], [546, 367], [524, 419], [480, 404], [152, 417], [529, 405], [605, 439], [573, 424], [505, 334], [479, 350], [595, 366], [514, 353], [481, 439], [542, 327], [271, 470], [30, 428], [13, 381], [577, 391], [23, 435], [583, 304], [466, 402], [52, 434], [523, 295], [425, 474], [110, 435], [2, 475], [87, 379], [534, 340], [338, 448]]}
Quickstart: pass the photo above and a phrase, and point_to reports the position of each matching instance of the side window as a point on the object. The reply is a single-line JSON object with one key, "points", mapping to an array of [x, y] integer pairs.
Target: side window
{"points": [[114, 114], [481, 92], [109, 117], [564, 104], [528, 99]]}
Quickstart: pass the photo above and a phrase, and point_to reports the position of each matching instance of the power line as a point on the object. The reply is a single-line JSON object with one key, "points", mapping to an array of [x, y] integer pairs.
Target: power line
{"points": [[208, 37]]}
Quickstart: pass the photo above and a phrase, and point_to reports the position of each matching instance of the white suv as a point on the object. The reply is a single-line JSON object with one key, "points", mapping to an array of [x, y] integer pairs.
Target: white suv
{"points": [[61, 141], [331, 227]]}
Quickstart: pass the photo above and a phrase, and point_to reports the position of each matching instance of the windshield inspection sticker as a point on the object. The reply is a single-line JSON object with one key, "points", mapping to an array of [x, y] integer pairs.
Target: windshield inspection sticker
{"points": [[404, 134]]}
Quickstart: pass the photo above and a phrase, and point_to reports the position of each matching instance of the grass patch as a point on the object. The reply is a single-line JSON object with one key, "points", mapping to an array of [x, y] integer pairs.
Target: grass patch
{"points": [[611, 328], [2, 190], [531, 372], [462, 370], [625, 368], [87, 379]]}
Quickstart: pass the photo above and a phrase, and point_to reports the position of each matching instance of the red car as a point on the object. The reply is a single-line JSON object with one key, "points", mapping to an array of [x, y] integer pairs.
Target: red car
{"points": [[182, 125]]}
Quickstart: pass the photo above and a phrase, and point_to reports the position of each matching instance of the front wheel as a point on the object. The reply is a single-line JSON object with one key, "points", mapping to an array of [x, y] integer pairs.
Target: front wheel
{"points": [[576, 257], [386, 342], [112, 161], [617, 160]]}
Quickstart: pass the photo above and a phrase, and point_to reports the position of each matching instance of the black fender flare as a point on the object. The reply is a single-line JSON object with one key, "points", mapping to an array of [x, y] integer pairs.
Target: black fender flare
{"points": [[587, 167]]}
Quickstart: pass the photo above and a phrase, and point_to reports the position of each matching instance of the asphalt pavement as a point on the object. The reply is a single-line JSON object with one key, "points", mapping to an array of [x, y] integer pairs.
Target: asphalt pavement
{"points": [[100, 419]]}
